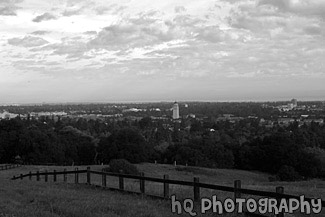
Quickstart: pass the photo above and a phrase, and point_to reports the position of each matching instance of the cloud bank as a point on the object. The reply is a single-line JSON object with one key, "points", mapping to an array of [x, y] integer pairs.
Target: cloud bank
{"points": [[209, 50]]}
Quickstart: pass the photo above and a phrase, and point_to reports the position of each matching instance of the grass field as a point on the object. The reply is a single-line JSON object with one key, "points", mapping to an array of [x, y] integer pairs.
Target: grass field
{"points": [[31, 198]]}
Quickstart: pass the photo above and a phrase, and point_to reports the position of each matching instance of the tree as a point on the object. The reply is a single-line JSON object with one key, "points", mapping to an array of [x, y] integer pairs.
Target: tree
{"points": [[127, 144]]}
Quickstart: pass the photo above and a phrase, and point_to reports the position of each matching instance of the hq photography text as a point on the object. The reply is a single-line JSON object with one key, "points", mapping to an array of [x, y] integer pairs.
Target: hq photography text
{"points": [[251, 205]]}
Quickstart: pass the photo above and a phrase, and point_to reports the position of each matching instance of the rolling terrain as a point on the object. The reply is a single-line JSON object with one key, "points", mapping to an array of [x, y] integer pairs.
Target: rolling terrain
{"points": [[31, 198]]}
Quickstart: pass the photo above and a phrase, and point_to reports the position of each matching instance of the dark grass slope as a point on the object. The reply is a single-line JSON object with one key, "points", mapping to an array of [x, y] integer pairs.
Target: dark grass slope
{"points": [[32, 198]]}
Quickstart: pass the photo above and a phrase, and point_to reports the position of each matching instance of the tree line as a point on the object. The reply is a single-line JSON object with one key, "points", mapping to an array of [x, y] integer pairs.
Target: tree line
{"points": [[290, 152]]}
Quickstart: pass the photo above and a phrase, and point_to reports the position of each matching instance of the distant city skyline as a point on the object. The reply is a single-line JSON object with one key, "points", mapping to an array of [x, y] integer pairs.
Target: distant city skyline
{"points": [[143, 51]]}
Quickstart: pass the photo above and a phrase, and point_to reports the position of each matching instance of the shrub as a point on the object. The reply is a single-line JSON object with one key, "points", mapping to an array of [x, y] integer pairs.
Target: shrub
{"points": [[309, 166], [288, 173], [116, 165]]}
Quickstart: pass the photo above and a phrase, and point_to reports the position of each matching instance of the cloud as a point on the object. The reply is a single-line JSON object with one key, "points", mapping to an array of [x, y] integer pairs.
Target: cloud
{"points": [[69, 13], [10, 1], [8, 7], [27, 41], [314, 30], [137, 32], [199, 42], [180, 9], [281, 4], [44, 17], [112, 9], [40, 32], [72, 50], [69, 49], [146, 29], [212, 34], [90, 33], [8, 11], [279, 20], [303, 7]]}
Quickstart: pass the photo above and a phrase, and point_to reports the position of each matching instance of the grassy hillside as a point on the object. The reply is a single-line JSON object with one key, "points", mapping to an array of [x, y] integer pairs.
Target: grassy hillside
{"points": [[250, 180], [32, 198]]}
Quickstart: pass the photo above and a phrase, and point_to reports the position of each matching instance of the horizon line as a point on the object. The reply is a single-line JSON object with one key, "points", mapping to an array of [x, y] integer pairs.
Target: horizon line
{"points": [[162, 101]]}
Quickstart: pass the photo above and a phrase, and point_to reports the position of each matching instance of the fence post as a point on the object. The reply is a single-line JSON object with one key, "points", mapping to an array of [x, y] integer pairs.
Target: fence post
{"points": [[279, 191], [54, 176], [121, 180], [65, 175], [142, 183], [103, 178], [166, 187], [30, 175], [45, 175], [196, 182], [76, 176], [237, 187], [88, 175], [37, 176]]}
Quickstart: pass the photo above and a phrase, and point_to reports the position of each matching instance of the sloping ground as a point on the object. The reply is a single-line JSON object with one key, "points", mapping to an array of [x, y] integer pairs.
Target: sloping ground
{"points": [[251, 180], [32, 198], [25, 198], [220, 176]]}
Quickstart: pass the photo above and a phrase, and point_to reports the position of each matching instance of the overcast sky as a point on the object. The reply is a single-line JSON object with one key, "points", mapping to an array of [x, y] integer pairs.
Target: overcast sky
{"points": [[145, 50]]}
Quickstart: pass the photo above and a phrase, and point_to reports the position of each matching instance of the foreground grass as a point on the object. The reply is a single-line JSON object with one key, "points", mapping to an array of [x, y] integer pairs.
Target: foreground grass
{"points": [[25, 198], [32, 198], [250, 180]]}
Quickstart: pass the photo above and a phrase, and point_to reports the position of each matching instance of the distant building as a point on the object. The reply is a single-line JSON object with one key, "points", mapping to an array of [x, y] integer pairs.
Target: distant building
{"points": [[290, 106], [294, 102], [191, 115], [228, 116], [175, 111], [317, 121], [7, 115], [285, 121]]}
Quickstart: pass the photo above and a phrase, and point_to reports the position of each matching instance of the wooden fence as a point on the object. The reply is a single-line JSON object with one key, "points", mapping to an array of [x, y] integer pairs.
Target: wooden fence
{"points": [[9, 166], [195, 184]]}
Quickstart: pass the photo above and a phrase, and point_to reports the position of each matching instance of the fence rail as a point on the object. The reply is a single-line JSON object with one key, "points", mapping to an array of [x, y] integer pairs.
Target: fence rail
{"points": [[9, 166], [196, 184]]}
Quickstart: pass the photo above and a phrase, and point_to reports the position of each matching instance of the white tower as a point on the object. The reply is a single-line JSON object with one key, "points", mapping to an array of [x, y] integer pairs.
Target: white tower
{"points": [[175, 111]]}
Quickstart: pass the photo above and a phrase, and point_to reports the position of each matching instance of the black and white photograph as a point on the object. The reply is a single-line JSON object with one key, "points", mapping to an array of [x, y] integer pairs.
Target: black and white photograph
{"points": [[124, 108]]}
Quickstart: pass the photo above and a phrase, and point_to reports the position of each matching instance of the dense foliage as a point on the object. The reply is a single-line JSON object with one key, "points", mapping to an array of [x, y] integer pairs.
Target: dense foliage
{"points": [[122, 166], [292, 152]]}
